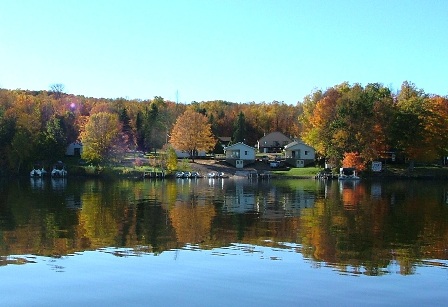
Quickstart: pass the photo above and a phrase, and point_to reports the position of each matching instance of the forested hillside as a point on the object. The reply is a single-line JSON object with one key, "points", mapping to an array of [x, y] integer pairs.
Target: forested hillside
{"points": [[373, 122], [36, 126]]}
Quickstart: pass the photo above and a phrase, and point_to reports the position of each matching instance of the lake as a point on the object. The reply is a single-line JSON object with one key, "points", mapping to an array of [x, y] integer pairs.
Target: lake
{"points": [[221, 242]]}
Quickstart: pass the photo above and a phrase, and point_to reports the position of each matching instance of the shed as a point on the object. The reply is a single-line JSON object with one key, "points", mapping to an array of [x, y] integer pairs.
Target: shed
{"points": [[74, 149], [181, 154]]}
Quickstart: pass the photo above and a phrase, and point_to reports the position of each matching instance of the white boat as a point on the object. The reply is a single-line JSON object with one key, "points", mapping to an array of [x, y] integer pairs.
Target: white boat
{"points": [[196, 175], [222, 175], [38, 172], [212, 175], [347, 173], [59, 170], [217, 175]]}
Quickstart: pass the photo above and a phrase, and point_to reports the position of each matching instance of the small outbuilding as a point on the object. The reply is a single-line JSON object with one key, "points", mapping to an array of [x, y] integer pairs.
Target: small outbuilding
{"points": [[239, 155], [298, 154], [74, 149], [182, 154]]}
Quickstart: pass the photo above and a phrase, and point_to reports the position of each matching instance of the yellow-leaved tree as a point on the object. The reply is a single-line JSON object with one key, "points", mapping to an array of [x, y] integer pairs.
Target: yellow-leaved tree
{"points": [[101, 138], [192, 133], [171, 159]]}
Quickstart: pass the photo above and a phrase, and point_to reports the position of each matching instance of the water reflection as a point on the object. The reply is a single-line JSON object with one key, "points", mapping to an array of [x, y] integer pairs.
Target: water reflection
{"points": [[241, 199], [369, 228], [58, 184], [37, 183]]}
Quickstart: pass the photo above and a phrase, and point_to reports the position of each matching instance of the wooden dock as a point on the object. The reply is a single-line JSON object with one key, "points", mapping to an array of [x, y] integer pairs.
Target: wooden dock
{"points": [[152, 174]]}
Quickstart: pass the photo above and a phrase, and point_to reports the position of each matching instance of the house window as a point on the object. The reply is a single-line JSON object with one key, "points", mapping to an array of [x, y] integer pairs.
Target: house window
{"points": [[306, 152], [245, 152], [235, 154]]}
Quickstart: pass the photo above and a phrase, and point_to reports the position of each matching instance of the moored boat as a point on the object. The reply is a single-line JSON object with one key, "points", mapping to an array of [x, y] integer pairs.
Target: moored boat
{"points": [[217, 175], [188, 175], [347, 173], [223, 175], [179, 175], [36, 172], [59, 170]]}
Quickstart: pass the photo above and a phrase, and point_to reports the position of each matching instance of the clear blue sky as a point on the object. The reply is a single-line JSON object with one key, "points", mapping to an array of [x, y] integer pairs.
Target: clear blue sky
{"points": [[234, 50]]}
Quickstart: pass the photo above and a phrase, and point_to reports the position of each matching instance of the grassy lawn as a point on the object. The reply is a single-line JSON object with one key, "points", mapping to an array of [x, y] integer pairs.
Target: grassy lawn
{"points": [[397, 171], [298, 172], [417, 171]]}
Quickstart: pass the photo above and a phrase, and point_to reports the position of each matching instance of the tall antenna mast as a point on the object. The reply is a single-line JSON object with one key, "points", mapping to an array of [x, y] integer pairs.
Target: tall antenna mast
{"points": [[177, 97]]}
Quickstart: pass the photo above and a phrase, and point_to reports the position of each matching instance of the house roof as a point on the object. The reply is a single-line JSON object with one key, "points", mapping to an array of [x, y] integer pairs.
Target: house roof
{"points": [[239, 144], [276, 135], [225, 138], [296, 143]]}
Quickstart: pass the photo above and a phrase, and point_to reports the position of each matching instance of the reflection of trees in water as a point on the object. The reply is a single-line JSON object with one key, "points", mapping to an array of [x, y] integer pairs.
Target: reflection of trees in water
{"points": [[374, 234], [352, 193], [387, 227], [192, 221], [152, 227]]}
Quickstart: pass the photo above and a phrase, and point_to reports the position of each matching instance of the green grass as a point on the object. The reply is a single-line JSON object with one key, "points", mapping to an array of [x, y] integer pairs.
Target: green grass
{"points": [[298, 172], [394, 171], [417, 171], [397, 171]]}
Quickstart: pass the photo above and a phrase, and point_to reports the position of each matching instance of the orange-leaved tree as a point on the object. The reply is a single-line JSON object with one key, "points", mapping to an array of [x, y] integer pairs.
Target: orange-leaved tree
{"points": [[435, 123], [192, 133], [353, 159]]}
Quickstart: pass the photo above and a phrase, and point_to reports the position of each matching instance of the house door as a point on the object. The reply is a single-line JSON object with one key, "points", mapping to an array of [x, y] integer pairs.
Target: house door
{"points": [[77, 152], [300, 163], [239, 164]]}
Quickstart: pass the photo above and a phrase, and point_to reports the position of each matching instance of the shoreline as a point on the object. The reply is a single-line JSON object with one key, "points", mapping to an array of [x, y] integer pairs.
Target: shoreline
{"points": [[263, 170]]}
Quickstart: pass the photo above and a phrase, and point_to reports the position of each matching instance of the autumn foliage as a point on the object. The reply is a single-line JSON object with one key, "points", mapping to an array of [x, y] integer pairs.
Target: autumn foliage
{"points": [[371, 120], [102, 138], [192, 133], [352, 159]]}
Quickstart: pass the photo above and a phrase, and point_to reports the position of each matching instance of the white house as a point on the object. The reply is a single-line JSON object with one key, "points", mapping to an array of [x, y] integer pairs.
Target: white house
{"points": [[240, 155], [298, 154], [74, 149]]}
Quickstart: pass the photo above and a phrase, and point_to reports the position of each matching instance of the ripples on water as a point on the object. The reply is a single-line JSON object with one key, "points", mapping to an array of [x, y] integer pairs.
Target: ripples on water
{"points": [[224, 242]]}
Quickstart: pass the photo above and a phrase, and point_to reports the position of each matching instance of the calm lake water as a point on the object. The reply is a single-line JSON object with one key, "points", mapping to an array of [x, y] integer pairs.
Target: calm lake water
{"points": [[223, 242]]}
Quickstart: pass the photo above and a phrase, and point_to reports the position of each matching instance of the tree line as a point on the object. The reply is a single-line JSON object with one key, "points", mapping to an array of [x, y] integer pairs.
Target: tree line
{"points": [[369, 121]]}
